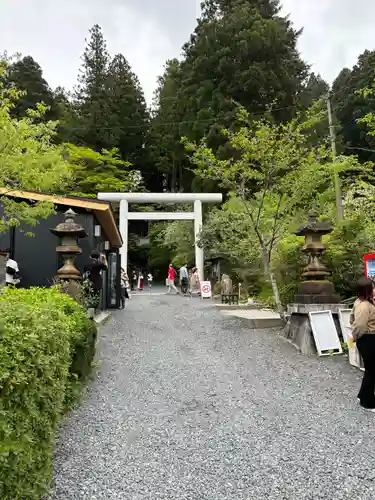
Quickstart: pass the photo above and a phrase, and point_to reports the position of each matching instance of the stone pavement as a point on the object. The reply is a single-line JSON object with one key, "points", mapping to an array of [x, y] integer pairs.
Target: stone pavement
{"points": [[190, 404]]}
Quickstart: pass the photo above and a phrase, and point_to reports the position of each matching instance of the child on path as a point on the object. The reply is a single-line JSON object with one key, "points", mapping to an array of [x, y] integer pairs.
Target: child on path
{"points": [[150, 279], [134, 281]]}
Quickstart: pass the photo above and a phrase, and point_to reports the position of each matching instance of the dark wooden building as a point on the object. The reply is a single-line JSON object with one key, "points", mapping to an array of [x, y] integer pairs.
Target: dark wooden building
{"points": [[36, 255]]}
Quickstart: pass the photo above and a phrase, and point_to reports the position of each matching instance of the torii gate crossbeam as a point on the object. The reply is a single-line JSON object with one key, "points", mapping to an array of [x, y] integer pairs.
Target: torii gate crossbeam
{"points": [[162, 198]]}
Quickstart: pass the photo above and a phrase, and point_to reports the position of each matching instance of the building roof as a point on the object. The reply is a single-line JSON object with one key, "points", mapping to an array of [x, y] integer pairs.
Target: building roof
{"points": [[101, 209]]}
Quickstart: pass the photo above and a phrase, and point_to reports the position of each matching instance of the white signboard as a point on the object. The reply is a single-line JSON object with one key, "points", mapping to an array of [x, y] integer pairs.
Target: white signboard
{"points": [[354, 356], [325, 334], [206, 290]]}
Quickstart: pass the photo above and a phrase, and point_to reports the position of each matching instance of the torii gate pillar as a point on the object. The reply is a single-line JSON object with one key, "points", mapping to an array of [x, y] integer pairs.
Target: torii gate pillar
{"points": [[198, 221], [162, 198]]}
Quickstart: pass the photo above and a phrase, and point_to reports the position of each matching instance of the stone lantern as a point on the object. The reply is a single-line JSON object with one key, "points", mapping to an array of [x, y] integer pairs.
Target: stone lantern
{"points": [[315, 288], [315, 293], [69, 232]]}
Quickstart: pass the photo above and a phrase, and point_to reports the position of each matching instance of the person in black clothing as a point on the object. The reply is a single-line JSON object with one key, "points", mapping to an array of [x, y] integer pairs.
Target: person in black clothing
{"points": [[94, 274]]}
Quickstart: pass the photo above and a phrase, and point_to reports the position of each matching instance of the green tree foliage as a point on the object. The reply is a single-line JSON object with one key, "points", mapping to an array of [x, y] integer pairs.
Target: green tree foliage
{"points": [[346, 245], [278, 177], [161, 254], [104, 171], [28, 159], [241, 52], [314, 88], [179, 238], [68, 116], [110, 109], [91, 94], [369, 118], [166, 150], [26, 75], [128, 118], [350, 105]]}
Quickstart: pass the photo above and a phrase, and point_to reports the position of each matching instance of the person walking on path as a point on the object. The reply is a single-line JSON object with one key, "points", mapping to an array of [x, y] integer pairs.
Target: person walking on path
{"points": [[134, 281], [184, 279], [195, 282], [150, 280], [94, 273], [171, 278], [140, 281], [128, 286], [124, 287], [363, 333], [11, 272], [190, 277]]}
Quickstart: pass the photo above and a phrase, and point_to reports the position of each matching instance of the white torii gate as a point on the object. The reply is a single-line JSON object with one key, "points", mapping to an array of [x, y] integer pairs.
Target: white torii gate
{"points": [[161, 198]]}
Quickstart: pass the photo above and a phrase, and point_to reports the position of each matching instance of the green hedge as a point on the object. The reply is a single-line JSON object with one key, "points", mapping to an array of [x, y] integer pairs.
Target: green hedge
{"points": [[47, 346]]}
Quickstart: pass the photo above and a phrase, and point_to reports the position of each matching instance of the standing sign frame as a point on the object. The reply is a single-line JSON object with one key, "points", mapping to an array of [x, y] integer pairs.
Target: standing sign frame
{"points": [[206, 292], [369, 265], [325, 334]]}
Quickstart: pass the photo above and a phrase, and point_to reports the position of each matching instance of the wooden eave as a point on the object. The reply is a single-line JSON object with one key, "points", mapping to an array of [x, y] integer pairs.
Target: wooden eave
{"points": [[101, 209]]}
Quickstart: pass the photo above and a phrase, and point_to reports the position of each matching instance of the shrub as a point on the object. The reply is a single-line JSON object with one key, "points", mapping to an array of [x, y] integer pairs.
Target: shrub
{"points": [[346, 247], [46, 348], [217, 288]]}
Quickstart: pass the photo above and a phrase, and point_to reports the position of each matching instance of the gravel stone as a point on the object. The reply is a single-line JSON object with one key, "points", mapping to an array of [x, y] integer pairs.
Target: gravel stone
{"points": [[190, 405]]}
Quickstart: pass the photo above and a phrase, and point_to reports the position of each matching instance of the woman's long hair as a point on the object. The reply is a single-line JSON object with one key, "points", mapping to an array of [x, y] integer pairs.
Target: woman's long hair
{"points": [[365, 289]]}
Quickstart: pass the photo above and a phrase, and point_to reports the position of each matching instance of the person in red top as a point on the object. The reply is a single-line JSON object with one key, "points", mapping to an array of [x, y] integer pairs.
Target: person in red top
{"points": [[171, 276]]}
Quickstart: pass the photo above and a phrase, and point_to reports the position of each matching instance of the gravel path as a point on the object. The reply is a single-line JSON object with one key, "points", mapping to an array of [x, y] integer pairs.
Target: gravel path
{"points": [[191, 405]]}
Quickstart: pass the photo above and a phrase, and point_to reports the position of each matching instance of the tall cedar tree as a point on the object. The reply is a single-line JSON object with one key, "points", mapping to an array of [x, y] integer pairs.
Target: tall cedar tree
{"points": [[111, 107], [166, 149], [128, 118], [68, 117], [350, 105], [26, 75], [91, 95], [314, 88], [242, 52]]}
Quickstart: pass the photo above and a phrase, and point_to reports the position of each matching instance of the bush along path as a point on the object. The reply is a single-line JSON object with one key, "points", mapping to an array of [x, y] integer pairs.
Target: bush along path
{"points": [[47, 345], [191, 405]]}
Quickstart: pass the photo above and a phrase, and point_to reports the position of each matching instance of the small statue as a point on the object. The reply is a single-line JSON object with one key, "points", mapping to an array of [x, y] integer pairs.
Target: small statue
{"points": [[226, 285]]}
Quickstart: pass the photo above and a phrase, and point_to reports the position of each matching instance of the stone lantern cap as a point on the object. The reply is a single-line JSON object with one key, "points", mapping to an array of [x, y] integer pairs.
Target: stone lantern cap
{"points": [[314, 226], [69, 227]]}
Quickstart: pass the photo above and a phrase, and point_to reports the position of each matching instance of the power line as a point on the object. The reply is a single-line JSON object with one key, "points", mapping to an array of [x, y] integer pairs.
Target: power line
{"points": [[187, 122], [212, 119], [360, 149]]}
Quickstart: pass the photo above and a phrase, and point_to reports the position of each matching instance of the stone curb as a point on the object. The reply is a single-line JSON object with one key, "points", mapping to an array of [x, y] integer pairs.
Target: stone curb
{"points": [[102, 317], [262, 323], [230, 307]]}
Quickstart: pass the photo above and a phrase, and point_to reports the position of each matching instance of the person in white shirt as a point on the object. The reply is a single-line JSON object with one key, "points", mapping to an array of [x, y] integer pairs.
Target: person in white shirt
{"points": [[11, 272], [150, 280], [184, 279]]}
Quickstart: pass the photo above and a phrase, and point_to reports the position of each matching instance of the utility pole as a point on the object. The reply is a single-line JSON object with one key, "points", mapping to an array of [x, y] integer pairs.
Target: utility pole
{"points": [[332, 134]]}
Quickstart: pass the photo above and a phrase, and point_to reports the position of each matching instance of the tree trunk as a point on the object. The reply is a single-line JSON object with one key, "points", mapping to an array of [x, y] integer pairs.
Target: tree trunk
{"points": [[275, 287]]}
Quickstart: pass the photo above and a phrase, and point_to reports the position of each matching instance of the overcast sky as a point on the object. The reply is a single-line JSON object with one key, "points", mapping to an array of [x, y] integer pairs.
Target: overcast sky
{"points": [[148, 32]]}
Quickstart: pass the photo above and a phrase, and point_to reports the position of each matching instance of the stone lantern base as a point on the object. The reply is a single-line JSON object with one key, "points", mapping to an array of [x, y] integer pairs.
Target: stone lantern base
{"points": [[298, 328], [72, 288], [316, 292]]}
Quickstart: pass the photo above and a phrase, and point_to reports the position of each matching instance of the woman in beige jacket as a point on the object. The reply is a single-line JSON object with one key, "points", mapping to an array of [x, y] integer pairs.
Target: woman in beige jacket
{"points": [[363, 333]]}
